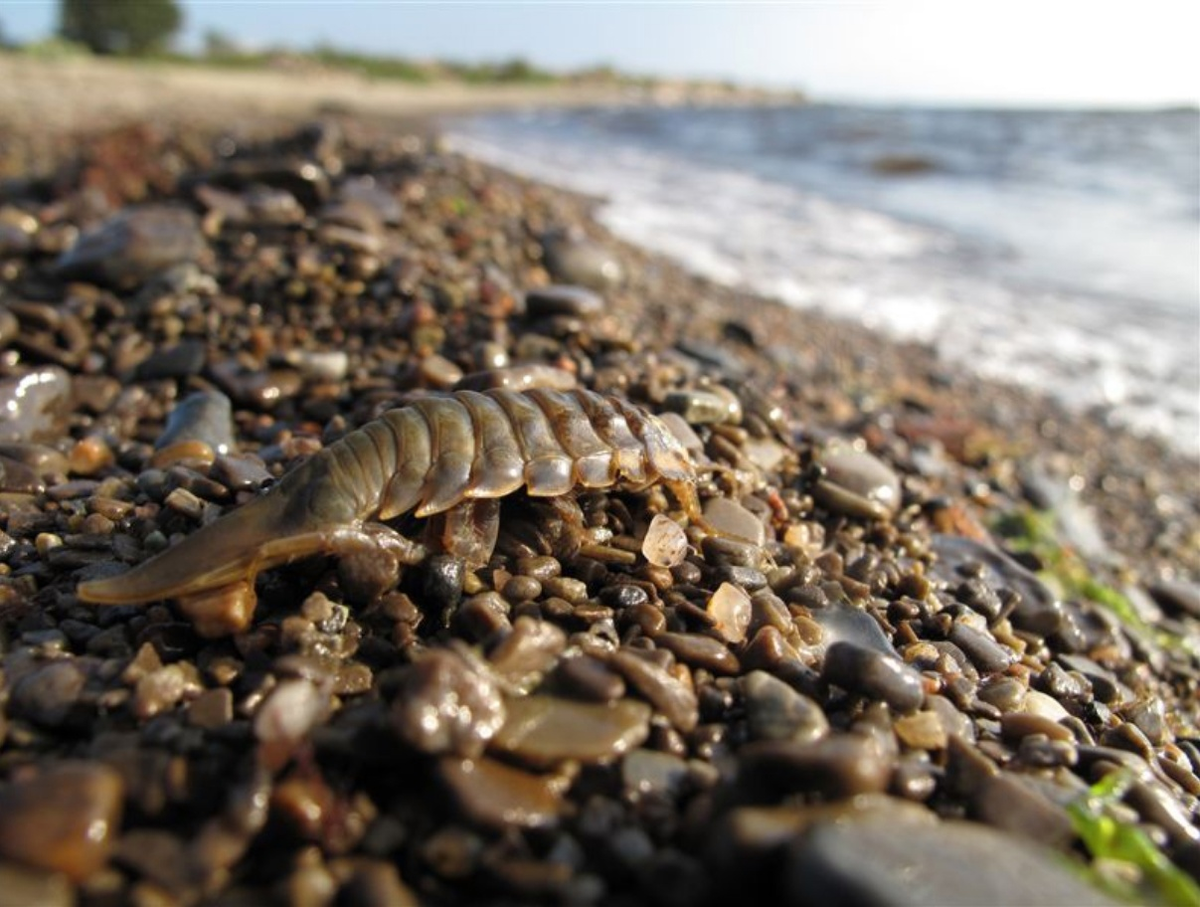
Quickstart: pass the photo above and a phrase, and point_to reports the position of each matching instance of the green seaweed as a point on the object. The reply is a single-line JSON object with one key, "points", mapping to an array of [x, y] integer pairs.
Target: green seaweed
{"points": [[1116, 843], [1069, 576]]}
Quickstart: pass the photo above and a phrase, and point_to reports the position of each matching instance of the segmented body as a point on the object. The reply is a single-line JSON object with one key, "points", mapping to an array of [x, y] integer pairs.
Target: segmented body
{"points": [[440, 451], [435, 455]]}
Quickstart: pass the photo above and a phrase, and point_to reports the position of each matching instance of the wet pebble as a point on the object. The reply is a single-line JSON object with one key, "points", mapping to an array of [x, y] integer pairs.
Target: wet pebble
{"points": [[561, 299], [775, 711], [840, 765], [35, 406], [545, 730], [731, 518], [700, 652], [698, 407], [589, 678], [1036, 609], [869, 673], [180, 360], [63, 819], [858, 484], [447, 704], [528, 652], [950, 862], [47, 696], [499, 796], [670, 696], [651, 772], [985, 653], [730, 609]]}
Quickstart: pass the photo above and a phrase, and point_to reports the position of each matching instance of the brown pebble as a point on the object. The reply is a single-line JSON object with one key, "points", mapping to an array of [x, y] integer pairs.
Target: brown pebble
{"points": [[89, 456], [1015, 725], [841, 765], [63, 819], [211, 709], [499, 796], [921, 730], [673, 699], [528, 652], [589, 678], [700, 651], [545, 730]]}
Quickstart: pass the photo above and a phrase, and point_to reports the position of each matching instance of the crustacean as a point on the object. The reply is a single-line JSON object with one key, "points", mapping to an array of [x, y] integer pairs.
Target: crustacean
{"points": [[452, 455]]}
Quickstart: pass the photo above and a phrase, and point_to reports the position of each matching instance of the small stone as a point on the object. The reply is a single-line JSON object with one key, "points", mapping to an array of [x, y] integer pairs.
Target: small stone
{"points": [[288, 715], [499, 796], [47, 696], [589, 678], [871, 674], [446, 704], [774, 711], [1038, 703], [134, 245], [841, 765], [730, 608], [63, 819], [700, 651], [698, 407], [666, 693], [528, 652], [205, 416], [665, 544], [545, 730], [986, 654], [212, 709], [561, 299], [858, 484], [731, 518], [950, 862], [572, 258], [921, 730], [651, 772]]}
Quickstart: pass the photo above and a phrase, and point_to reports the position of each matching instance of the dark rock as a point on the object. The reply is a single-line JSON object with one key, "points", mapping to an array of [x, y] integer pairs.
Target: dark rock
{"points": [[953, 862], [134, 245], [869, 673]]}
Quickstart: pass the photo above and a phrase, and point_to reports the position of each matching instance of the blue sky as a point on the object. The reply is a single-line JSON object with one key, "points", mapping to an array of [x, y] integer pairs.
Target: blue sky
{"points": [[1016, 51]]}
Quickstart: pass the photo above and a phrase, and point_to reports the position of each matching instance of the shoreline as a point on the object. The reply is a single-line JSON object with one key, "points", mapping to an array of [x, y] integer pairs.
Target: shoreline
{"points": [[1099, 460], [849, 657]]}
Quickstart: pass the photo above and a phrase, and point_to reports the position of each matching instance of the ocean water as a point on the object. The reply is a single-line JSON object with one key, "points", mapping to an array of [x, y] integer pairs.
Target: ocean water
{"points": [[1055, 249]]}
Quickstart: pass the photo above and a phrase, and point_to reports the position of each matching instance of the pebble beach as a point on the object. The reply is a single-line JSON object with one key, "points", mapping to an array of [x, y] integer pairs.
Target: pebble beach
{"points": [[932, 639]]}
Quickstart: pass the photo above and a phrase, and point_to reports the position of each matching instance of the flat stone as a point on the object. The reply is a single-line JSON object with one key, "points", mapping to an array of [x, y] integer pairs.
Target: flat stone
{"points": [[499, 796], [840, 765], [1037, 611], [1008, 803], [732, 518], [134, 245], [545, 730], [666, 693], [649, 771], [872, 862], [700, 651]]}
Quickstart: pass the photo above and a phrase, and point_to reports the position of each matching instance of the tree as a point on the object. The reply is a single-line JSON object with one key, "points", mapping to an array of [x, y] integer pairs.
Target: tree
{"points": [[120, 26]]}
